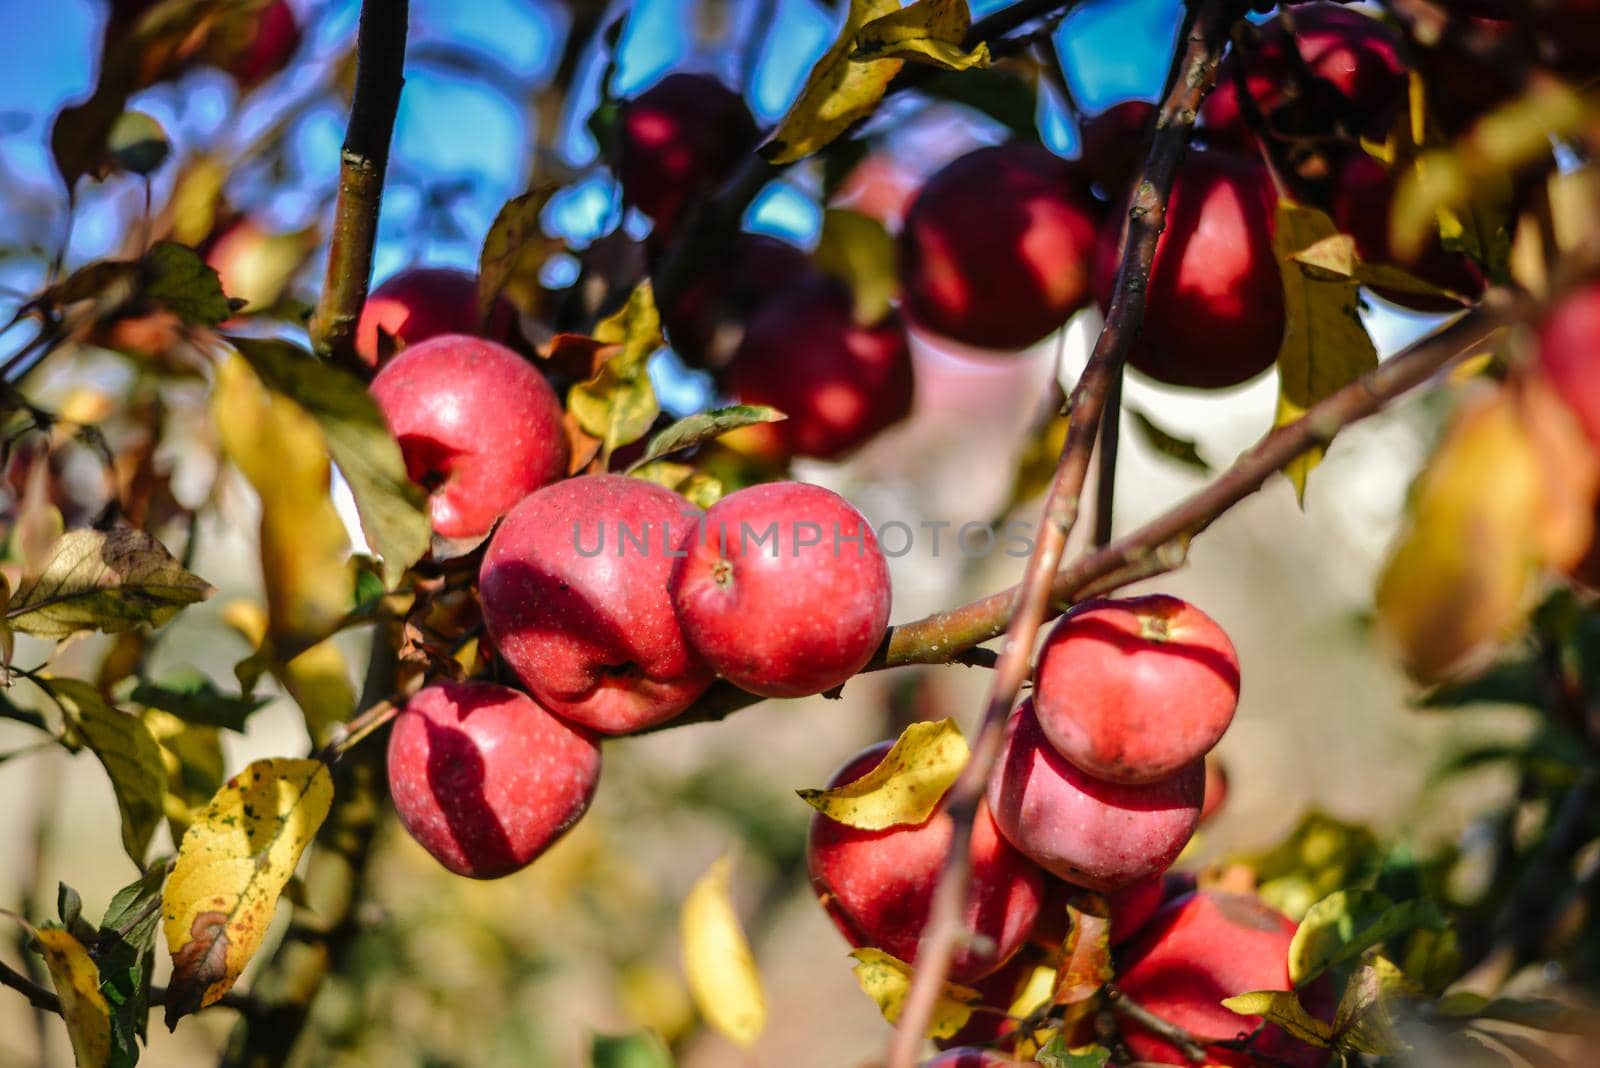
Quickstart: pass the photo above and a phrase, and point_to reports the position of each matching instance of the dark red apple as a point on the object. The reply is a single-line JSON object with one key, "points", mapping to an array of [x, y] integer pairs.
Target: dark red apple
{"points": [[1215, 313], [678, 141], [1197, 951], [1569, 353], [478, 426], [971, 1057], [574, 590], [784, 592], [1115, 143], [1133, 690], [1363, 194], [706, 318], [997, 246], [485, 779], [1099, 835], [253, 46], [838, 381], [878, 885], [422, 302]]}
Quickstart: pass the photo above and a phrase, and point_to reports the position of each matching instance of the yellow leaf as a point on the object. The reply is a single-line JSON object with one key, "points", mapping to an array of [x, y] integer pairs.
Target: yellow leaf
{"points": [[279, 447], [103, 580], [857, 250], [130, 755], [717, 962], [83, 1007], [233, 865], [838, 91], [928, 31], [1325, 346], [514, 250], [318, 680], [886, 980], [1365, 1020], [618, 405], [1283, 1008], [192, 756], [907, 784], [1336, 259]]}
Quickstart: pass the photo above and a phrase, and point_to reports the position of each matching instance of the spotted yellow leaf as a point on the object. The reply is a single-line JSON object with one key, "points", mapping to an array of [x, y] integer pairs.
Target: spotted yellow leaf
{"points": [[907, 784], [887, 980], [928, 31], [77, 983], [235, 860], [722, 975]]}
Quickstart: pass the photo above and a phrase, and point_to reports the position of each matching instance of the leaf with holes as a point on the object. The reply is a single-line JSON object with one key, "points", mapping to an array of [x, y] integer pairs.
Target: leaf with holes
{"points": [[906, 786], [103, 580]]}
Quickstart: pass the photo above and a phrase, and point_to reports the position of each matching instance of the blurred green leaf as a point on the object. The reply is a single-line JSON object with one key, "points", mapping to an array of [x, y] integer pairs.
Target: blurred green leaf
{"points": [[129, 754], [194, 698], [642, 1049], [1345, 924], [177, 279]]}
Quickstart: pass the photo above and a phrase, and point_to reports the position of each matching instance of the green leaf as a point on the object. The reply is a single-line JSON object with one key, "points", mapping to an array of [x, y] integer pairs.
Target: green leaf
{"points": [[1364, 1022], [641, 1049], [857, 250], [618, 405], [125, 953], [1345, 924], [1182, 450], [1540, 1014], [194, 698], [702, 489], [839, 90], [705, 426], [928, 31], [393, 510], [1516, 681], [996, 93], [1055, 1054], [103, 580], [1325, 346], [1282, 1007], [176, 278], [129, 754]]}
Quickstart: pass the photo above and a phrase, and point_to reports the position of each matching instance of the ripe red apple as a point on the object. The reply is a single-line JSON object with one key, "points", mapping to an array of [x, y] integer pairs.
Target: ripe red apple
{"points": [[1197, 951], [1099, 835], [1133, 690], [478, 426], [971, 1057], [1131, 907], [1362, 196], [784, 591], [705, 319], [678, 141], [574, 591], [1356, 67], [1215, 314], [1569, 354], [838, 381], [996, 247], [991, 1024], [878, 885], [485, 779], [1115, 143], [418, 303]]}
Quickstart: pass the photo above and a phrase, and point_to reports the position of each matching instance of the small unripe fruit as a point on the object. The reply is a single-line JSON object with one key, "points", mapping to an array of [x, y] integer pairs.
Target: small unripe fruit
{"points": [[1569, 353], [1099, 835], [1199, 950], [838, 381], [574, 591], [485, 779], [678, 141], [419, 303], [997, 247], [1133, 690], [478, 426], [1214, 315], [878, 885], [784, 591]]}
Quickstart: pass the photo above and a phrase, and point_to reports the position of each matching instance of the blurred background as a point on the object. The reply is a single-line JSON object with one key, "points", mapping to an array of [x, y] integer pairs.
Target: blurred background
{"points": [[524, 970]]}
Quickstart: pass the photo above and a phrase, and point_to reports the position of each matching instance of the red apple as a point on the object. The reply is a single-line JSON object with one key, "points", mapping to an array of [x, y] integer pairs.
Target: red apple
{"points": [[485, 779], [1362, 196], [678, 141], [1130, 907], [972, 1057], [1199, 950], [1569, 353], [784, 592], [1133, 690], [422, 302], [1356, 70], [478, 425], [1099, 835], [838, 381], [706, 318], [574, 590], [1115, 143], [253, 46], [253, 264], [1215, 314], [996, 247], [878, 885]]}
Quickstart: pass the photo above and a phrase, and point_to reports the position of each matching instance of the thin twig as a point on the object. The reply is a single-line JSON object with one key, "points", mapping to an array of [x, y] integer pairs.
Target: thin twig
{"points": [[1105, 495], [1187, 1044], [45, 999]]}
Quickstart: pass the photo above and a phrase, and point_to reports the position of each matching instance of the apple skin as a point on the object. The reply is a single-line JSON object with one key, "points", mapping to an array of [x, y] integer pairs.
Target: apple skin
{"points": [[706, 318], [1362, 196], [1569, 354], [1356, 57], [1099, 835], [780, 618], [418, 303], [1130, 906], [593, 635], [1115, 143], [877, 886], [997, 246], [1215, 311], [1133, 690], [1198, 950], [678, 141], [478, 426], [486, 780], [972, 1057], [838, 381]]}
